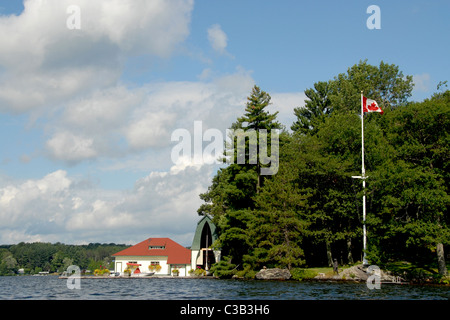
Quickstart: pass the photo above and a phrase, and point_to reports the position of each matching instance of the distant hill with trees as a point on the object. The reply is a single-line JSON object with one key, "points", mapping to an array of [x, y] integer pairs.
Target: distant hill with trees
{"points": [[38, 256]]}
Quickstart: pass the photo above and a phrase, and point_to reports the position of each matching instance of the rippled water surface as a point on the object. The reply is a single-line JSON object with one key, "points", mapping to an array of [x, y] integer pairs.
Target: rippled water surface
{"points": [[53, 288]]}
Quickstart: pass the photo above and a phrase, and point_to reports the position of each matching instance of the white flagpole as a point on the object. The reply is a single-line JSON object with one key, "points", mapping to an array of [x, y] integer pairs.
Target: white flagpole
{"points": [[363, 177], [363, 174]]}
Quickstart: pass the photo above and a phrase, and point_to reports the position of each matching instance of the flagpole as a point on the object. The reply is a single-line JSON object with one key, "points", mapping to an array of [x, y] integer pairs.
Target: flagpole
{"points": [[363, 177]]}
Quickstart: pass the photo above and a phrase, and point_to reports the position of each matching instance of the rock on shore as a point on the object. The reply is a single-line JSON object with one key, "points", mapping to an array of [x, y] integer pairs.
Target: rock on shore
{"points": [[355, 273], [273, 274], [358, 273]]}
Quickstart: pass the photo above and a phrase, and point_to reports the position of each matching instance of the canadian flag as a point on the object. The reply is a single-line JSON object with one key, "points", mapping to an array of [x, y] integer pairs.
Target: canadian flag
{"points": [[370, 105]]}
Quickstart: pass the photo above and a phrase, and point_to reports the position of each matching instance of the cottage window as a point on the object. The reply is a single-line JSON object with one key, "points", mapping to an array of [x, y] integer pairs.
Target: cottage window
{"points": [[156, 247]]}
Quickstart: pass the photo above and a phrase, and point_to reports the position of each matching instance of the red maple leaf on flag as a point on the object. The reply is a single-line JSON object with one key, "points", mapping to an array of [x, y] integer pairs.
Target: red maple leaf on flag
{"points": [[372, 106]]}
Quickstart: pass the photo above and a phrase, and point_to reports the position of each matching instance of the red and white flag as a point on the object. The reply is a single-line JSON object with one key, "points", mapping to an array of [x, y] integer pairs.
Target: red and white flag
{"points": [[370, 105]]}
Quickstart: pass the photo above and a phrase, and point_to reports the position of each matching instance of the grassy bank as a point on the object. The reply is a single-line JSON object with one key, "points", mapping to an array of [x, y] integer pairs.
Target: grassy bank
{"points": [[310, 273]]}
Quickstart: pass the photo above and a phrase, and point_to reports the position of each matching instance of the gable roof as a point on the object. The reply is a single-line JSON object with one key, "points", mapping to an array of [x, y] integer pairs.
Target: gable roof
{"points": [[196, 242], [175, 253]]}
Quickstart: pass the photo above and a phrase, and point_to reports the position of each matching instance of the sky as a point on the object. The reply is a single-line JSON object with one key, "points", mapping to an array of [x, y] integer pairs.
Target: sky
{"points": [[91, 93]]}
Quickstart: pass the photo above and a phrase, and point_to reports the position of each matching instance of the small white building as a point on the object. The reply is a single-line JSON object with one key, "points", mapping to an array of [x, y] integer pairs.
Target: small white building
{"points": [[169, 255], [162, 252]]}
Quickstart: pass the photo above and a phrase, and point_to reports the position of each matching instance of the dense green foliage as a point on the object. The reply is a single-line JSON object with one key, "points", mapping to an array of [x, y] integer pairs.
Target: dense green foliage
{"points": [[311, 210], [37, 257]]}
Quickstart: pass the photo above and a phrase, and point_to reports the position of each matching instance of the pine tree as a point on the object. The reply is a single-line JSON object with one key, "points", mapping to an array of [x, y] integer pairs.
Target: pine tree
{"points": [[257, 118]]}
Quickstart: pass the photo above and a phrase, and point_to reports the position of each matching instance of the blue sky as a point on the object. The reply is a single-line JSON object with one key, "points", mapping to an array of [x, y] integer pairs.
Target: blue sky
{"points": [[86, 115], [289, 45]]}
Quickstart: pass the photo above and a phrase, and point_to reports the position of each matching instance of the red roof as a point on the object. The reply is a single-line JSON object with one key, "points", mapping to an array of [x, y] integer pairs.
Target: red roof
{"points": [[175, 253]]}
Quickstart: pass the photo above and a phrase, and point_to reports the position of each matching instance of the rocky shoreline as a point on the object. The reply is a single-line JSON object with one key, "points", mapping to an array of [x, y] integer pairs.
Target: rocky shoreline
{"points": [[360, 273], [357, 273]]}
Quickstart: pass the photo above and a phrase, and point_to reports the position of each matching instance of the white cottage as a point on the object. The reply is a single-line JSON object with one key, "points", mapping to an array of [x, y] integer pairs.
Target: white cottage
{"points": [[162, 252], [168, 255]]}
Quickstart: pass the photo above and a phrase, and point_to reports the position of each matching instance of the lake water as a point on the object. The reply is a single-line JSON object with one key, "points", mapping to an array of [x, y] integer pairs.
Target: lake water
{"points": [[53, 288]]}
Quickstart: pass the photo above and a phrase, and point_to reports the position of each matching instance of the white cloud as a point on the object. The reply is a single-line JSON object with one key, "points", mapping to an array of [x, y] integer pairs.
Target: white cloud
{"points": [[103, 110], [206, 74], [117, 121], [45, 63], [150, 130], [70, 78], [217, 38], [285, 103], [421, 82], [56, 208], [71, 148], [24, 203], [22, 92]]}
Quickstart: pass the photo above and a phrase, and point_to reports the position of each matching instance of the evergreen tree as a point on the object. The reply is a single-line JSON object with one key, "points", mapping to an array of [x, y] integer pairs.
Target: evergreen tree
{"points": [[257, 118], [317, 107], [278, 225], [230, 198]]}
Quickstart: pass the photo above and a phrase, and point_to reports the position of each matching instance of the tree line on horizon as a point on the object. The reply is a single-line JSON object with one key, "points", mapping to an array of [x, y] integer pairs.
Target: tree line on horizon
{"points": [[310, 211], [39, 256]]}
